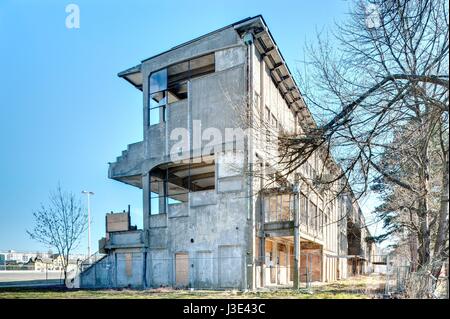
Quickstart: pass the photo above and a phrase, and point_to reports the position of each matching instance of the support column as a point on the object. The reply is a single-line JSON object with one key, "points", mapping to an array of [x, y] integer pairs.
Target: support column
{"points": [[296, 240]]}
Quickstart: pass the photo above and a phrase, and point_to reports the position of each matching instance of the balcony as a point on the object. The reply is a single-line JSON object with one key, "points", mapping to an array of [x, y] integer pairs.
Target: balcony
{"points": [[127, 167], [278, 210]]}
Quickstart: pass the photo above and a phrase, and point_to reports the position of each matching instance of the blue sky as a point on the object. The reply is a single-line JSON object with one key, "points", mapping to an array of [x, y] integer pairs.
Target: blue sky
{"points": [[64, 113]]}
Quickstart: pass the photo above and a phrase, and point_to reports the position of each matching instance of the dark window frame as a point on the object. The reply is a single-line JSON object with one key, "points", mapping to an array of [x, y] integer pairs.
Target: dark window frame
{"points": [[169, 87], [164, 177]]}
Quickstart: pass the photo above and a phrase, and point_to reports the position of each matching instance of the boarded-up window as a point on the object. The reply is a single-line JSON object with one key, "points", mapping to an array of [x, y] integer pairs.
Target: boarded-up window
{"points": [[181, 269], [128, 268]]}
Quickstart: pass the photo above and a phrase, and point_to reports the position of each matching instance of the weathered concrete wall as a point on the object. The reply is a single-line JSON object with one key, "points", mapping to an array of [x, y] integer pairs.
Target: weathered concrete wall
{"points": [[99, 275], [210, 229], [210, 100], [126, 239], [123, 266]]}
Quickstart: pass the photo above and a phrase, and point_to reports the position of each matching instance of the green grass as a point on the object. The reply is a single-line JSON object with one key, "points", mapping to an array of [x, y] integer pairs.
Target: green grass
{"points": [[355, 288]]}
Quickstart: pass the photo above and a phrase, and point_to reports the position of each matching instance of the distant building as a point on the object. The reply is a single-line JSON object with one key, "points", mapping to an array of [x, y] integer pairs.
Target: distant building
{"points": [[40, 264], [53, 263], [23, 257], [2, 261]]}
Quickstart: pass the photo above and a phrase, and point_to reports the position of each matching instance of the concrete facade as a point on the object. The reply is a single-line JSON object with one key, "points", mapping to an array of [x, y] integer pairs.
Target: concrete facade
{"points": [[208, 222]]}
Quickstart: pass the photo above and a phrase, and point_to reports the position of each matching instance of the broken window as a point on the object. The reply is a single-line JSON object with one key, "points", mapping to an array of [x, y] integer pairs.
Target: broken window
{"points": [[170, 85], [157, 100], [178, 75], [171, 183], [278, 207]]}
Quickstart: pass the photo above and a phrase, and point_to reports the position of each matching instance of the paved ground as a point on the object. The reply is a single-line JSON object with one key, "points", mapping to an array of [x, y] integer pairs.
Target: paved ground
{"points": [[28, 278], [361, 287]]}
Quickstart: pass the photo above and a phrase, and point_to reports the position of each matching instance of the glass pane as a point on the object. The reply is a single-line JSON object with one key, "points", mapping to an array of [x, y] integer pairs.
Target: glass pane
{"points": [[158, 81], [154, 116], [154, 204], [157, 99]]}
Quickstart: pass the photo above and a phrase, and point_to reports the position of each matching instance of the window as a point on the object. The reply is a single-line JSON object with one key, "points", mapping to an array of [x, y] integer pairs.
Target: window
{"points": [[170, 85], [274, 121], [278, 207], [312, 215], [303, 209], [267, 124], [178, 75], [157, 101], [171, 183]]}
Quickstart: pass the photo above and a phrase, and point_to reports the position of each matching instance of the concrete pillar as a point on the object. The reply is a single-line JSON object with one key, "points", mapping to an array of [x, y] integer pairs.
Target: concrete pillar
{"points": [[146, 200], [296, 241], [146, 222], [250, 266], [162, 197]]}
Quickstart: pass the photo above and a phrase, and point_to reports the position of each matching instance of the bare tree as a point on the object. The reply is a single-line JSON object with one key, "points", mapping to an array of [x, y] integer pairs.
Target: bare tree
{"points": [[59, 224], [378, 89], [382, 88]]}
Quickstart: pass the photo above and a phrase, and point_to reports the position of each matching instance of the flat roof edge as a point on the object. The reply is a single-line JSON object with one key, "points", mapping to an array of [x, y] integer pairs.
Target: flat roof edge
{"points": [[202, 36]]}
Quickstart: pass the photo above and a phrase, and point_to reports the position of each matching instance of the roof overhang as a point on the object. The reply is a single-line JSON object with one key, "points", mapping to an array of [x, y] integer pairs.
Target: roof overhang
{"points": [[279, 70], [133, 75]]}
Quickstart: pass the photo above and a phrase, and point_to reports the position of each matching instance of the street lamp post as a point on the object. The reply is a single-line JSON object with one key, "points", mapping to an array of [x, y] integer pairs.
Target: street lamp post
{"points": [[89, 221]]}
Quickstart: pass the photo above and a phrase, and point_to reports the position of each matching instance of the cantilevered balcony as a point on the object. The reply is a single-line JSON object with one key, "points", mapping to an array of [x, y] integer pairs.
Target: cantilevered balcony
{"points": [[127, 167], [278, 212]]}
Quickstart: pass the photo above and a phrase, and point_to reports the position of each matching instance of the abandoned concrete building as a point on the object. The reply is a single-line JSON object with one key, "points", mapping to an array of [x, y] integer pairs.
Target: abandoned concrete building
{"points": [[208, 223]]}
